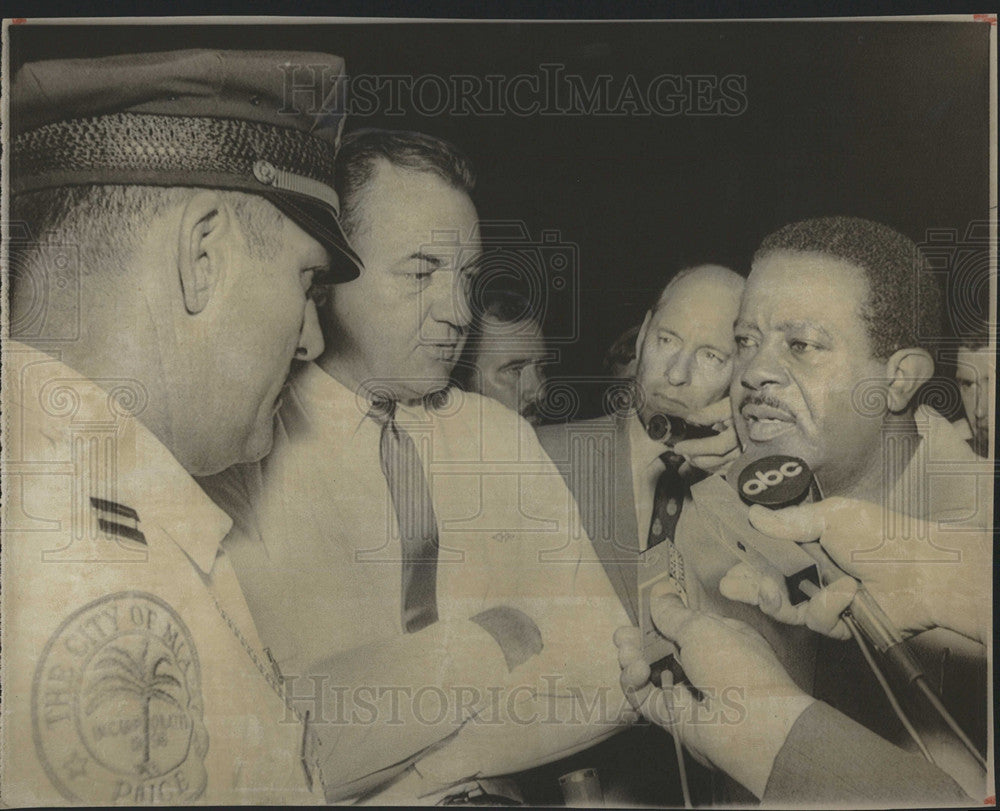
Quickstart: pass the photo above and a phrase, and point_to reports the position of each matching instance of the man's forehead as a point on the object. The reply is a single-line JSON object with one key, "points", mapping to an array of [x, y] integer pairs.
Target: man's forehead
{"points": [[699, 306], [803, 286], [979, 360], [521, 328], [309, 252]]}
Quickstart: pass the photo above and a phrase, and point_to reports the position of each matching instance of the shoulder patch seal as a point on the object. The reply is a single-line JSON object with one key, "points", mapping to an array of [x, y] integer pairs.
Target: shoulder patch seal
{"points": [[116, 707]]}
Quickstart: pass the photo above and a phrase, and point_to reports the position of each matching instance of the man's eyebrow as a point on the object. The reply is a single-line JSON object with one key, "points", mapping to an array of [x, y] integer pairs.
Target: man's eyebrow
{"points": [[436, 261], [717, 349], [785, 326], [473, 264]]}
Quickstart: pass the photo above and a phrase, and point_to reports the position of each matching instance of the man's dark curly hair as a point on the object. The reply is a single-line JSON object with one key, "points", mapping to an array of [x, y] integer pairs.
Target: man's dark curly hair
{"points": [[904, 307]]}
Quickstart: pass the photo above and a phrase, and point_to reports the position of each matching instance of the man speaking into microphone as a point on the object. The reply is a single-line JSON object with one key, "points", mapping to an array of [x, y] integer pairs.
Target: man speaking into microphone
{"points": [[835, 337]]}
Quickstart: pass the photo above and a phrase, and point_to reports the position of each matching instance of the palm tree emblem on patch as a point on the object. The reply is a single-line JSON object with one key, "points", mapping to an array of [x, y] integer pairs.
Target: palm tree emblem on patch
{"points": [[145, 679], [117, 707]]}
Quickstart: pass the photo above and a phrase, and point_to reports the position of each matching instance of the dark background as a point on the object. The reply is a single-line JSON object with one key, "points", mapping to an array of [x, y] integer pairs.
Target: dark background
{"points": [[885, 120]]}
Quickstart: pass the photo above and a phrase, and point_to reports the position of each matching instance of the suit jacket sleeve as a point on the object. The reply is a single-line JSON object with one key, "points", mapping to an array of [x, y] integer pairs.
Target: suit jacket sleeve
{"points": [[827, 757]]}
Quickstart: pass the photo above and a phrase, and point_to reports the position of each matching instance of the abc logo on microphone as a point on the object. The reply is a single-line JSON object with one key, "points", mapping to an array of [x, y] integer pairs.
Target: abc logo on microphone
{"points": [[775, 481]]}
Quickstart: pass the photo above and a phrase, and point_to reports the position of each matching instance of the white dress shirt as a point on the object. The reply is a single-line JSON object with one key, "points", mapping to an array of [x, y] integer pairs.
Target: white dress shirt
{"points": [[320, 559]]}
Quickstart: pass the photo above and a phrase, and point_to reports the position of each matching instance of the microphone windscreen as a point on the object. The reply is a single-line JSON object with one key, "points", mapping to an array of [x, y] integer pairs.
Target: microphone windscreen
{"points": [[773, 481]]}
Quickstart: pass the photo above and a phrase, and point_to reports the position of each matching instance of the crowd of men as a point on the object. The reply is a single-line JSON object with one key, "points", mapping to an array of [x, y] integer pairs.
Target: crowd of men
{"points": [[283, 523]]}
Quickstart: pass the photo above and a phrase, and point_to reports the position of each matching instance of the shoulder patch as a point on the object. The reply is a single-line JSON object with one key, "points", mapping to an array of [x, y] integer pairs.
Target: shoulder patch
{"points": [[116, 707]]}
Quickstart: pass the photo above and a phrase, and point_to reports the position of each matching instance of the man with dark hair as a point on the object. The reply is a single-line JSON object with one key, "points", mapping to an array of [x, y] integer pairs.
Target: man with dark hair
{"points": [[503, 354], [168, 229], [834, 338], [902, 307], [619, 360], [976, 376], [427, 525]]}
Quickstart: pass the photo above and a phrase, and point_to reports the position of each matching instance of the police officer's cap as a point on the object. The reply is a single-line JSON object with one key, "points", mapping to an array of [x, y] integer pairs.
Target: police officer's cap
{"points": [[265, 122]]}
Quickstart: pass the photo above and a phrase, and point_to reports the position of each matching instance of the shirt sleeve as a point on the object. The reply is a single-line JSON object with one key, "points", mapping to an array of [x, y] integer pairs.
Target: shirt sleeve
{"points": [[827, 757], [505, 714], [567, 697]]}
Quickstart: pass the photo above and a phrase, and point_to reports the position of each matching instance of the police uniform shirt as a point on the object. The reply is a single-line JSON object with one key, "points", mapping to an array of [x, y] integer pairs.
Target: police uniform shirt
{"points": [[132, 670]]}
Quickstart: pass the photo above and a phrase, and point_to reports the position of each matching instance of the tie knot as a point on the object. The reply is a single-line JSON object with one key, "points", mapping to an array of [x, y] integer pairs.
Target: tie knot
{"points": [[382, 410]]}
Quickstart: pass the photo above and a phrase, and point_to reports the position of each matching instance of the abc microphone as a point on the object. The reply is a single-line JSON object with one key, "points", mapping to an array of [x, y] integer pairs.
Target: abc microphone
{"points": [[783, 481]]}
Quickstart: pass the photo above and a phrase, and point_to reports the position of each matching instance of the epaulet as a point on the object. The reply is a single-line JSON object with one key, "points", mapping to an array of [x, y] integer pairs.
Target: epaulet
{"points": [[117, 519]]}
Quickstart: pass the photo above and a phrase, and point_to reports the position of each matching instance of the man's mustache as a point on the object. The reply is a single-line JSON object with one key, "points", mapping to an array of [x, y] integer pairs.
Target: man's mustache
{"points": [[764, 400]]}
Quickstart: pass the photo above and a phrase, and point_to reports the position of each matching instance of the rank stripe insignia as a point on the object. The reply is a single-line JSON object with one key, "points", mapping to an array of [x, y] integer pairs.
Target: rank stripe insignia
{"points": [[111, 521], [113, 507], [111, 528]]}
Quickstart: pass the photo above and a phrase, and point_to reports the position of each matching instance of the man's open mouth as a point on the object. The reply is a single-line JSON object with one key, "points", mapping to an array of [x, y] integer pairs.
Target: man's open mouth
{"points": [[765, 422]]}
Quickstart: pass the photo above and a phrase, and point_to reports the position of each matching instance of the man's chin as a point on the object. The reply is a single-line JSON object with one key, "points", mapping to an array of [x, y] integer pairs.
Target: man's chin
{"points": [[410, 390], [259, 444]]}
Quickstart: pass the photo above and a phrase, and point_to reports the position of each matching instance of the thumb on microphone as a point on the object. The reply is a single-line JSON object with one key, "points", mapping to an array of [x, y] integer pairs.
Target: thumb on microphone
{"points": [[802, 523]]}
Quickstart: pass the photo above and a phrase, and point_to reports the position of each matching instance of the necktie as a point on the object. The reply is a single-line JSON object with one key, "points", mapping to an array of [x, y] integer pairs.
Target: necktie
{"points": [[668, 499], [418, 532]]}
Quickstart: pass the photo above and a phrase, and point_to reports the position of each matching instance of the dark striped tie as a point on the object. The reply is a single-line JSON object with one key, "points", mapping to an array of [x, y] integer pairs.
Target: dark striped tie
{"points": [[418, 531]]}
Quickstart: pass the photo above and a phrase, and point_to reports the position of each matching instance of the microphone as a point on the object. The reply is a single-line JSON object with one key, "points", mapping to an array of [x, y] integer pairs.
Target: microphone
{"points": [[783, 481], [671, 430]]}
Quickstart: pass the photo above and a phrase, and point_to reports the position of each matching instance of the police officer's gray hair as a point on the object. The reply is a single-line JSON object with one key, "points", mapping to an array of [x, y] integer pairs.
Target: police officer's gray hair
{"points": [[105, 224], [361, 150]]}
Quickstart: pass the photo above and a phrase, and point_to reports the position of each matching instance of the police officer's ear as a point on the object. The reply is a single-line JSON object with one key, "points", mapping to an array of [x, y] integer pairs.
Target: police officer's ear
{"points": [[203, 247], [907, 370]]}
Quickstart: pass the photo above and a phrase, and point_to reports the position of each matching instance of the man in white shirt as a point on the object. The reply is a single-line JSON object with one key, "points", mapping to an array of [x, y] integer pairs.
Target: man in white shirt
{"points": [[392, 520]]}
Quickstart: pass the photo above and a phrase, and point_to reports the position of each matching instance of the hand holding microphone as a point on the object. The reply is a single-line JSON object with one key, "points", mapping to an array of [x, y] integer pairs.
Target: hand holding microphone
{"points": [[716, 452], [781, 481], [744, 704], [923, 577]]}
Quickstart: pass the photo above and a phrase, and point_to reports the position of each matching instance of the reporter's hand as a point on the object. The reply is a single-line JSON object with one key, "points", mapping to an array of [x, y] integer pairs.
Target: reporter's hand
{"points": [[746, 584], [921, 575], [750, 703], [713, 454]]}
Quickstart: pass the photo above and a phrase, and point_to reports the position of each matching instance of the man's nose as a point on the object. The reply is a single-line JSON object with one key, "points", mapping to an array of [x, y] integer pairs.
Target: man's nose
{"points": [[761, 368], [679, 368], [450, 299], [982, 400], [311, 336], [532, 380]]}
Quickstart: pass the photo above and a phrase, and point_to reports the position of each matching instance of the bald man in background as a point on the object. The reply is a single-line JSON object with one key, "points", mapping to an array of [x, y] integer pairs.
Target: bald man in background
{"points": [[684, 361]]}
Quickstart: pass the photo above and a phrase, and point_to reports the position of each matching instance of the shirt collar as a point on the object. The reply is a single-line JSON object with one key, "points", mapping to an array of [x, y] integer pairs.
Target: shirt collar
{"points": [[940, 439], [164, 494], [148, 478], [317, 395], [320, 396]]}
